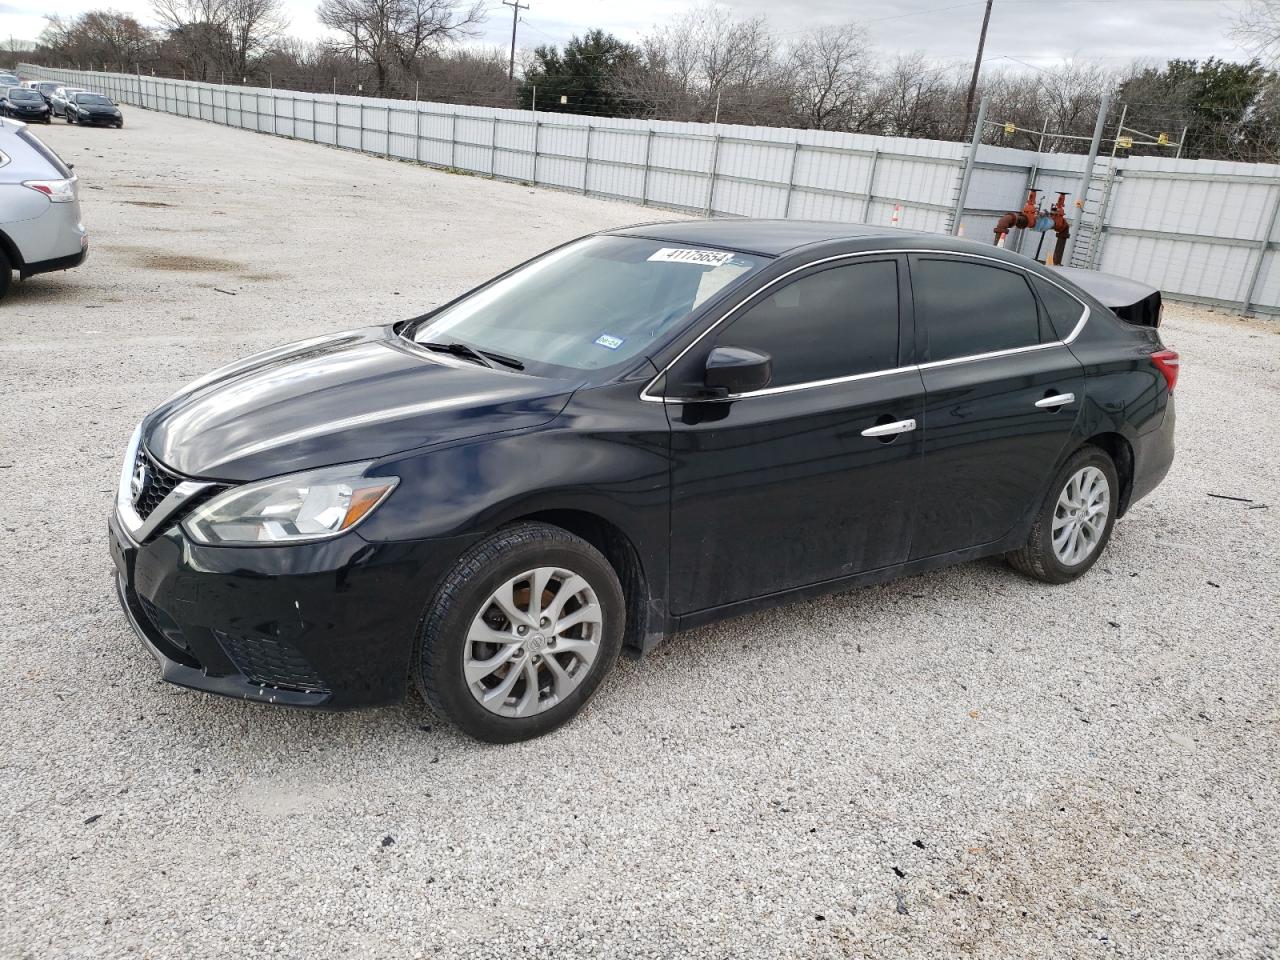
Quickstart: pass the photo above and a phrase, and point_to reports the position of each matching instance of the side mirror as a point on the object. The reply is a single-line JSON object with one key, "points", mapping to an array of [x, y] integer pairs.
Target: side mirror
{"points": [[734, 370]]}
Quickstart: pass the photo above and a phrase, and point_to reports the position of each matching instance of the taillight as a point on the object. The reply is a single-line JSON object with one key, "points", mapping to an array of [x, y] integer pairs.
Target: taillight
{"points": [[58, 191], [1167, 363]]}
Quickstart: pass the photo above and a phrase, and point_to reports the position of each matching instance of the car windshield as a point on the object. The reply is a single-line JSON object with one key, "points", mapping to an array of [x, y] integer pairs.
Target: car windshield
{"points": [[590, 304], [92, 99], [25, 95]]}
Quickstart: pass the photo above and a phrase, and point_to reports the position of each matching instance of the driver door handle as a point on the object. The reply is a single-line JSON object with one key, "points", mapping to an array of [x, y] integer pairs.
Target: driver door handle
{"points": [[1058, 400], [889, 429]]}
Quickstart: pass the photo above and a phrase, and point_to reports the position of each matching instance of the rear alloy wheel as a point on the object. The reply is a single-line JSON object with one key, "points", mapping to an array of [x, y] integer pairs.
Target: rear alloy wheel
{"points": [[1074, 522], [521, 633]]}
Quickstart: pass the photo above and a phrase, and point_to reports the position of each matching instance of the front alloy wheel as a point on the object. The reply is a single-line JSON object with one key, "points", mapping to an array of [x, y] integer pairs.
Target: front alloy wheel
{"points": [[520, 634], [533, 642]]}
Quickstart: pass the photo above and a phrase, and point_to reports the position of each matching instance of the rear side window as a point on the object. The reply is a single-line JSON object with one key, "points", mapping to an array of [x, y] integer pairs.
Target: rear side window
{"points": [[836, 323], [54, 160], [970, 308], [1064, 310]]}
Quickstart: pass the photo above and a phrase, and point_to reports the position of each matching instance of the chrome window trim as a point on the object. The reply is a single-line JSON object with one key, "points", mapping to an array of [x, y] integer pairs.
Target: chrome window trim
{"points": [[645, 395]]}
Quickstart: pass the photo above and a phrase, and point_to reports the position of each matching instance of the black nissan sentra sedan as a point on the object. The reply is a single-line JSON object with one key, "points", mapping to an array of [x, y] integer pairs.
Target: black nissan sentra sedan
{"points": [[634, 433]]}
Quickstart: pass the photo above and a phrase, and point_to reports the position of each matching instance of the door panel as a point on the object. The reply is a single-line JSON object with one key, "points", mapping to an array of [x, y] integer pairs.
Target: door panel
{"points": [[988, 448], [783, 490]]}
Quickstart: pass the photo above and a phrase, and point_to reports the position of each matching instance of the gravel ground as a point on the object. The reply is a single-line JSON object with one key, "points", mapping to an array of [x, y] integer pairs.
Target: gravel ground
{"points": [[960, 764]]}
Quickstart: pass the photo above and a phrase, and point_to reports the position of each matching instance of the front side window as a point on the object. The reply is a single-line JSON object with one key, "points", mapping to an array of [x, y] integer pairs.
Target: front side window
{"points": [[588, 305], [970, 308], [835, 323]]}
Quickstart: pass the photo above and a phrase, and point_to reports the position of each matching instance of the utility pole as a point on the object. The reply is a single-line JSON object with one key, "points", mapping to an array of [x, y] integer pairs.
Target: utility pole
{"points": [[977, 68], [516, 7]]}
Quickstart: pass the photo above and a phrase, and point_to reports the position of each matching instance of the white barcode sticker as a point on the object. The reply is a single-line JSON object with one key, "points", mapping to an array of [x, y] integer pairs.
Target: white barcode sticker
{"points": [[699, 258]]}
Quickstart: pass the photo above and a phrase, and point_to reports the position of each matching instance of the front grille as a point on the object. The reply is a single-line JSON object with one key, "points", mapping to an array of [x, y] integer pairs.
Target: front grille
{"points": [[160, 483], [270, 662]]}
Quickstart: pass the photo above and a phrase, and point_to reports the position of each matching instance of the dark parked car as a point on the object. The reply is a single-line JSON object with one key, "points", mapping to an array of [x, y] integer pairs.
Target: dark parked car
{"points": [[93, 110], [23, 104], [637, 432]]}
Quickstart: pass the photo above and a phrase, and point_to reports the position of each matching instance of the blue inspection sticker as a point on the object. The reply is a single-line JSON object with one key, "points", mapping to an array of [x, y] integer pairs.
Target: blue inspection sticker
{"points": [[612, 343]]}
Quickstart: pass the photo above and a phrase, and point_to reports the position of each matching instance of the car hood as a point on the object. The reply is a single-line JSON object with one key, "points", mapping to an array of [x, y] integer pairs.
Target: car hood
{"points": [[353, 396]]}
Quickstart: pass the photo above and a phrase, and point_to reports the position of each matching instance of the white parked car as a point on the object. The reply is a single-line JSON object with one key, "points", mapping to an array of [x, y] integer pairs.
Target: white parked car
{"points": [[40, 228]]}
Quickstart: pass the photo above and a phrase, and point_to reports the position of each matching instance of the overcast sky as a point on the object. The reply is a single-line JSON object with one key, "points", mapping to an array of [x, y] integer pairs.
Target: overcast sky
{"points": [[1036, 31]]}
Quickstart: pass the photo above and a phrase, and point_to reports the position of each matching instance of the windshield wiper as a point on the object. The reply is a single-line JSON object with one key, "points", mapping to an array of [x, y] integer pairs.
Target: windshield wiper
{"points": [[482, 357], [459, 349]]}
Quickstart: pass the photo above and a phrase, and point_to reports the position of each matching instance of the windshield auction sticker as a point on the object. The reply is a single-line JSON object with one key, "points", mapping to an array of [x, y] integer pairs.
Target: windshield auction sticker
{"points": [[699, 258]]}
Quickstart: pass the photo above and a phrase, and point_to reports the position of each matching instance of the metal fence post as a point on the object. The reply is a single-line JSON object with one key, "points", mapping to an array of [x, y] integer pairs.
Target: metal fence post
{"points": [[362, 124], [711, 183], [644, 184], [387, 151], [453, 141], [586, 160], [417, 132], [1247, 301], [966, 174], [871, 185], [493, 146], [791, 178], [535, 148]]}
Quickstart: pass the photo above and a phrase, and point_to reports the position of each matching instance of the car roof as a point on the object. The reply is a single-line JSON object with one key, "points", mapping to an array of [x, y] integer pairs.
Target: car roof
{"points": [[775, 238]]}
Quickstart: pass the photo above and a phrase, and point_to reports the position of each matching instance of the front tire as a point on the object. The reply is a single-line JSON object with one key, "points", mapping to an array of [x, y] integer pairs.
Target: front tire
{"points": [[520, 633], [1073, 524]]}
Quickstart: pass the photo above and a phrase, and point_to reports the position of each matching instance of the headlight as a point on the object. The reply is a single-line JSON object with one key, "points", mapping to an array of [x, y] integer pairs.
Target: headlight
{"points": [[302, 506]]}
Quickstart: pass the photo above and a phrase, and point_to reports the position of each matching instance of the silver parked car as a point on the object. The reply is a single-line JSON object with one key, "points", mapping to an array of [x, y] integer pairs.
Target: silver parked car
{"points": [[40, 228], [61, 97]]}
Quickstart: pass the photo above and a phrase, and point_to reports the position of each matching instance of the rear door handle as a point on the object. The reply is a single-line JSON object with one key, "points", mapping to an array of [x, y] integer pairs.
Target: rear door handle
{"points": [[889, 429], [1058, 400]]}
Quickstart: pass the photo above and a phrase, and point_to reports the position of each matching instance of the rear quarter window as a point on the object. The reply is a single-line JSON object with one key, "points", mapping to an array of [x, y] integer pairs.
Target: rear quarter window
{"points": [[1064, 310], [45, 153]]}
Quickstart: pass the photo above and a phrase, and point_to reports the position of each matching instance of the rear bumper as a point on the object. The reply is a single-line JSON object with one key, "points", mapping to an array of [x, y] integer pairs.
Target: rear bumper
{"points": [[59, 263], [1153, 455], [327, 625]]}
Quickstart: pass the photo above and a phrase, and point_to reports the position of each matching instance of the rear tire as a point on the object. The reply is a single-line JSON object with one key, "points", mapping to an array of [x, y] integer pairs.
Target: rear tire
{"points": [[6, 274], [520, 633], [1073, 525]]}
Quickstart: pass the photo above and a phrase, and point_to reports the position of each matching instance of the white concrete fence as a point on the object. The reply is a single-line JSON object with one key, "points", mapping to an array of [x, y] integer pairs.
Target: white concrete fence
{"points": [[1205, 231]]}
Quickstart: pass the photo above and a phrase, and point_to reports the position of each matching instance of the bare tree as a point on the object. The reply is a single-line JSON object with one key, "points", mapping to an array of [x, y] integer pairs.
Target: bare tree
{"points": [[1257, 28], [919, 98], [223, 36], [391, 34], [99, 36], [828, 73]]}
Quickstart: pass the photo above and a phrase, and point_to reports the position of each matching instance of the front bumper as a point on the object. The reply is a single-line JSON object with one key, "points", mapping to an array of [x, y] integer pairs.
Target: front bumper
{"points": [[327, 625], [96, 120]]}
